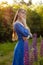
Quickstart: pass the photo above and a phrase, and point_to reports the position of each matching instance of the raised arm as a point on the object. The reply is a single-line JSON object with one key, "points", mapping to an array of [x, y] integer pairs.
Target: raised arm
{"points": [[22, 29]]}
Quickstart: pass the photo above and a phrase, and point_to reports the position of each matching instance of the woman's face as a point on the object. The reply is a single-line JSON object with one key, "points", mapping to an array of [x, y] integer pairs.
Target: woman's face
{"points": [[22, 14]]}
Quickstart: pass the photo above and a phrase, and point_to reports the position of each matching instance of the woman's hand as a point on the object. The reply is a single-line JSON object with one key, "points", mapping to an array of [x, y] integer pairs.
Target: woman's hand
{"points": [[24, 38]]}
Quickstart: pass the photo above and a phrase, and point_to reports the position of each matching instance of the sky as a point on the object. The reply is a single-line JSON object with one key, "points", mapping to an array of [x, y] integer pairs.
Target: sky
{"points": [[33, 1], [9, 1]]}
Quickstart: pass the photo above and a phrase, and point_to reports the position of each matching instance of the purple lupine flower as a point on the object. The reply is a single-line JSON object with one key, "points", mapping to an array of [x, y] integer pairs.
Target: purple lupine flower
{"points": [[41, 48], [35, 54], [26, 53], [31, 57], [34, 45]]}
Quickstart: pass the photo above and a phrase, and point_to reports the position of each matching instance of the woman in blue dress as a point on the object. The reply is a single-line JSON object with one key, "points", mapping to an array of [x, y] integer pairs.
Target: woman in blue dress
{"points": [[21, 50]]}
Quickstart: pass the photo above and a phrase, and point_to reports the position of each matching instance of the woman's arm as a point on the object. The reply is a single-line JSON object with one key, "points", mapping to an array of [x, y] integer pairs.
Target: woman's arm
{"points": [[25, 38], [21, 29]]}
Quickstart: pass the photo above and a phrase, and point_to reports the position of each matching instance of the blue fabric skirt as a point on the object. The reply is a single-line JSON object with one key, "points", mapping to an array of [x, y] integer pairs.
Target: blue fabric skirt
{"points": [[21, 53]]}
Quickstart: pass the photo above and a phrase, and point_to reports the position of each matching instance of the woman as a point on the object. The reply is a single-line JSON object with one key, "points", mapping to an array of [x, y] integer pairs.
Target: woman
{"points": [[21, 48]]}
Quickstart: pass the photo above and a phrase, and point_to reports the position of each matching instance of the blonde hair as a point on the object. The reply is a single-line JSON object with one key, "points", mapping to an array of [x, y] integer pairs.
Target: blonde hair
{"points": [[16, 15], [14, 35]]}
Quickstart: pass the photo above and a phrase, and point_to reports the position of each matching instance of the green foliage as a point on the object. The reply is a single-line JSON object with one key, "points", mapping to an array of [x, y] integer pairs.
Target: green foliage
{"points": [[6, 17], [41, 61], [39, 11], [34, 20]]}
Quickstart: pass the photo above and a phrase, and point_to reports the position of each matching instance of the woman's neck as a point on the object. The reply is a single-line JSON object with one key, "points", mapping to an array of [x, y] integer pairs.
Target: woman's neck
{"points": [[23, 21], [20, 20]]}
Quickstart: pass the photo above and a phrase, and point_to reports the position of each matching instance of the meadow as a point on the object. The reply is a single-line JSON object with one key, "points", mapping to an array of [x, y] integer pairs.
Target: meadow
{"points": [[6, 52]]}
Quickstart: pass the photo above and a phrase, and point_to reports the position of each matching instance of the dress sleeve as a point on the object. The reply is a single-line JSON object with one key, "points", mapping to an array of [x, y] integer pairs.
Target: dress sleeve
{"points": [[21, 29]]}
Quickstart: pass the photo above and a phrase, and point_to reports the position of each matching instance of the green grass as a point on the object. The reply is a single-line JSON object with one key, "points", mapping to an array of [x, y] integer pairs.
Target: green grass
{"points": [[7, 49], [6, 53]]}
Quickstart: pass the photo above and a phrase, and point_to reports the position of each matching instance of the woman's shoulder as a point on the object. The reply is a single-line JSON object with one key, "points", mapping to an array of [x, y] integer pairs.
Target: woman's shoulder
{"points": [[17, 23]]}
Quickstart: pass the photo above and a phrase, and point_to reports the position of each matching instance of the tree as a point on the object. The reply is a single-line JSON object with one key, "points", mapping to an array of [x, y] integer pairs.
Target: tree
{"points": [[33, 21], [29, 2], [39, 10]]}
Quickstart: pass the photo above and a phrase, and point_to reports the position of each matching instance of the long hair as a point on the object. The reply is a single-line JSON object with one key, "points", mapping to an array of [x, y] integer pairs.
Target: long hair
{"points": [[14, 35]]}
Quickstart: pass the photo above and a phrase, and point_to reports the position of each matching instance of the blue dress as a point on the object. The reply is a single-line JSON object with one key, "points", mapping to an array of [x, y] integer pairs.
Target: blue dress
{"points": [[21, 47]]}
